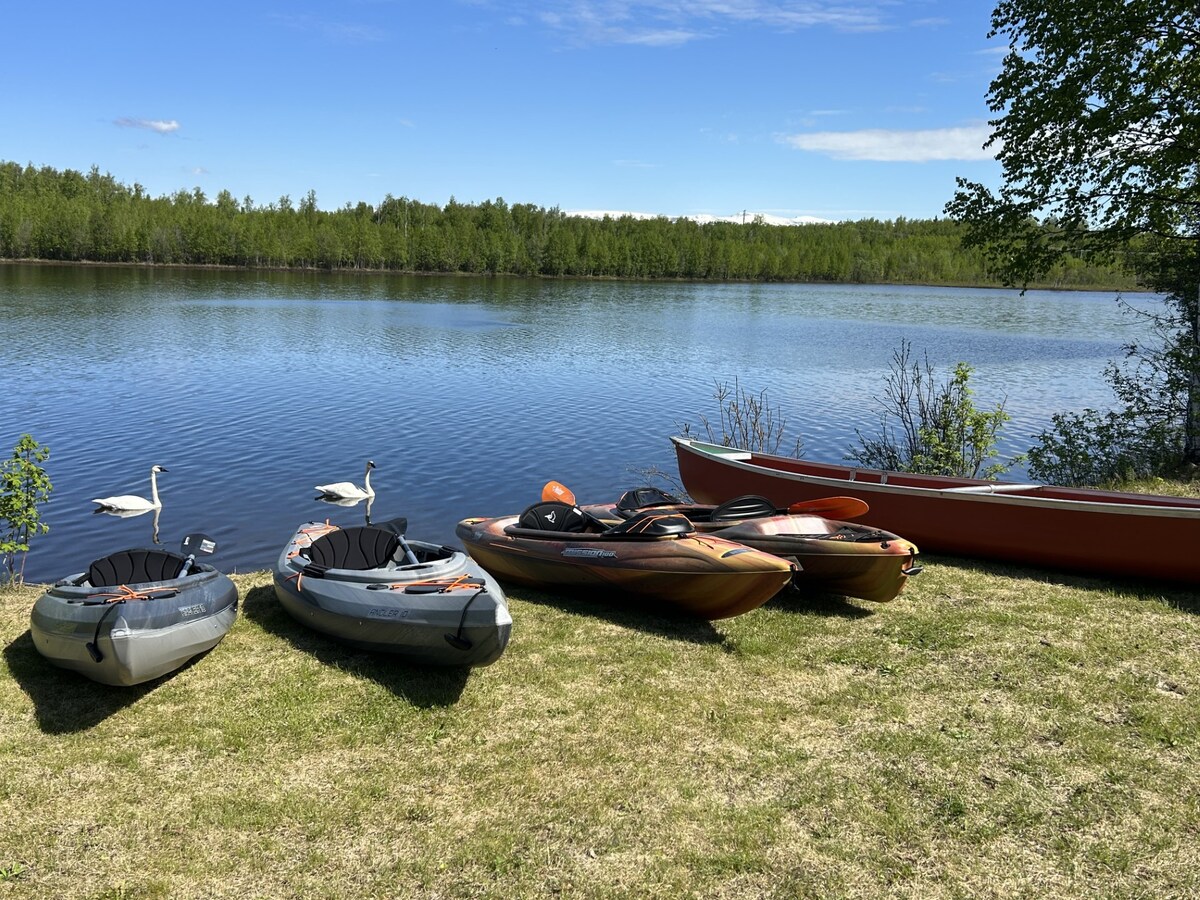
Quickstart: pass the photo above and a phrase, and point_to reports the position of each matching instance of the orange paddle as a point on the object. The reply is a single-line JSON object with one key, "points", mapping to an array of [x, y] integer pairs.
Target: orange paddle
{"points": [[831, 507], [555, 491]]}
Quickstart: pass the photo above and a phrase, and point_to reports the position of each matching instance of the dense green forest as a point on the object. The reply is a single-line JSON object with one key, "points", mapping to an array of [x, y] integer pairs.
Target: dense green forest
{"points": [[68, 216]]}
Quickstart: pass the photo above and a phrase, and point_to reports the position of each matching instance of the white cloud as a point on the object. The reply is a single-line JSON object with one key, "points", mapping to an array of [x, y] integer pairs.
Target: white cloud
{"points": [[884, 145], [669, 37], [612, 23], [341, 32], [661, 23], [846, 15], [159, 125]]}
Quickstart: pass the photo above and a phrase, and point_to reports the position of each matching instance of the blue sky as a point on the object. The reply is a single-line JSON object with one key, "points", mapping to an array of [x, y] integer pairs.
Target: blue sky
{"points": [[834, 109]]}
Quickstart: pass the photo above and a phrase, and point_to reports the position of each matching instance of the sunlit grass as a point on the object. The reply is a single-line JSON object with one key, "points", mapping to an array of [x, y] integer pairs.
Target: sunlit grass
{"points": [[1185, 484], [995, 731], [1188, 485]]}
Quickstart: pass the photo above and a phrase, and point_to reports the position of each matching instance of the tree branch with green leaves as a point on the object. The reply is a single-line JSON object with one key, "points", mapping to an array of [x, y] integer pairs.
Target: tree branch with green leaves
{"points": [[24, 487], [1098, 136]]}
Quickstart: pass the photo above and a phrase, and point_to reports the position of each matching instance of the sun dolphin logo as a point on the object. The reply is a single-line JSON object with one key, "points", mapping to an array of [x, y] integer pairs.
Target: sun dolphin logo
{"points": [[550, 516]]}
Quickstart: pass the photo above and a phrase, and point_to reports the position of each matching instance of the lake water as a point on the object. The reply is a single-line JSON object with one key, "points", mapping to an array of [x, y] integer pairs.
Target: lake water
{"points": [[468, 393]]}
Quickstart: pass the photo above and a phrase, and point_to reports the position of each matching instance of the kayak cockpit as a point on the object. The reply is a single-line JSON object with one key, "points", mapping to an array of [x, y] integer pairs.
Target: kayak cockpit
{"points": [[554, 519]]}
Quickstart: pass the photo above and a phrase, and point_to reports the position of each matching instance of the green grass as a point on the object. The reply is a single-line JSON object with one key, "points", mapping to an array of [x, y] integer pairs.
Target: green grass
{"points": [[1184, 483], [995, 731]]}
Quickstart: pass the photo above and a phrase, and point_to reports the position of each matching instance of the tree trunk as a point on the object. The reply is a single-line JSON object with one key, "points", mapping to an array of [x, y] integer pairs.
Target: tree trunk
{"points": [[1191, 437]]}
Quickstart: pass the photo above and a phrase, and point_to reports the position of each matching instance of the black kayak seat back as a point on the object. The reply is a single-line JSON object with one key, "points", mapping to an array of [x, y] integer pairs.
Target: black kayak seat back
{"points": [[141, 566], [645, 497], [651, 524], [554, 515], [359, 547], [750, 506]]}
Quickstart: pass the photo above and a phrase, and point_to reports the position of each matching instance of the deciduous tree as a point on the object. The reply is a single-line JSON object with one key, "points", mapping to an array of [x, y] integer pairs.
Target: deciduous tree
{"points": [[1098, 136]]}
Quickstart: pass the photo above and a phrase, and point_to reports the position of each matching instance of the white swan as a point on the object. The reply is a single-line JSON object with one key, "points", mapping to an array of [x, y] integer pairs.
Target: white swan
{"points": [[128, 502], [344, 490]]}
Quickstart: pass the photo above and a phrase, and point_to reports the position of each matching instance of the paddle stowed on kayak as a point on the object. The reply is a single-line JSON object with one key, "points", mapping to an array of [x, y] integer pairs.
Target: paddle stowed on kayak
{"points": [[553, 544], [832, 555], [135, 615], [370, 587]]}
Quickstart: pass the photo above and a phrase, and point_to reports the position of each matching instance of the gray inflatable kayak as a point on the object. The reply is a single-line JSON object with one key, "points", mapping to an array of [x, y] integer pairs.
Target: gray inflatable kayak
{"points": [[369, 587], [134, 615]]}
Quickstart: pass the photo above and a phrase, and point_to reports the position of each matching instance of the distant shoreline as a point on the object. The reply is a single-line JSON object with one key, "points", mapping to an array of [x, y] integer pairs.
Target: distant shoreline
{"points": [[320, 270]]}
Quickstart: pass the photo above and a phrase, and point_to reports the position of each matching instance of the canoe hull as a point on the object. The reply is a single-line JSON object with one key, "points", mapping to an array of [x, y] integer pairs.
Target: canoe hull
{"points": [[381, 610], [1072, 529], [140, 640], [705, 576]]}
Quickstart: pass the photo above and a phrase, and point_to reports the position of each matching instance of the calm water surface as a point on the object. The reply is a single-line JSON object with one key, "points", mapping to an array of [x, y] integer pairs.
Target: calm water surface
{"points": [[468, 393]]}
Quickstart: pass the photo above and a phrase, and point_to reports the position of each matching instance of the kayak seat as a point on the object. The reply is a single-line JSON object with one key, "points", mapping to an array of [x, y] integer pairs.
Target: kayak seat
{"points": [[135, 567], [643, 498], [554, 515], [651, 524], [359, 547], [751, 506]]}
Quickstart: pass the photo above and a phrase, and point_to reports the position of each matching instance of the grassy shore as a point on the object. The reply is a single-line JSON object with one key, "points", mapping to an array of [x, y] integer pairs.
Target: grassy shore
{"points": [[996, 731]]}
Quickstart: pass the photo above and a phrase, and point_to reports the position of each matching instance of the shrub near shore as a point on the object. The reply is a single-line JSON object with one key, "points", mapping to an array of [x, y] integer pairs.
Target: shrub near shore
{"points": [[994, 731]]}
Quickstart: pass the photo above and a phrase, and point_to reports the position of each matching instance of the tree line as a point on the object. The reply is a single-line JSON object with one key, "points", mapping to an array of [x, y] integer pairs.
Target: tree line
{"points": [[70, 216]]}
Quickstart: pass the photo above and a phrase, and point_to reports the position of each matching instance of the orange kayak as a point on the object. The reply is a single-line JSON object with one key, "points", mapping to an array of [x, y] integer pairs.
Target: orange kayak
{"points": [[832, 556], [660, 557]]}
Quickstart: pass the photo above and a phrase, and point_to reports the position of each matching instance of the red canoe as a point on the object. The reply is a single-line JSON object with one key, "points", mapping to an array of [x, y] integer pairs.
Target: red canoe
{"points": [[1077, 529]]}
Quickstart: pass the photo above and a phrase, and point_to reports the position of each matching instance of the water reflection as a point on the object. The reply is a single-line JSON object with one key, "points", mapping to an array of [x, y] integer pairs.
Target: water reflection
{"points": [[131, 513], [346, 502]]}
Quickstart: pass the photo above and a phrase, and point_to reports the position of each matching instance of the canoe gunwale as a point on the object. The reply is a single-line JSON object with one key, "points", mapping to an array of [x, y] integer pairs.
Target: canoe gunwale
{"points": [[997, 492]]}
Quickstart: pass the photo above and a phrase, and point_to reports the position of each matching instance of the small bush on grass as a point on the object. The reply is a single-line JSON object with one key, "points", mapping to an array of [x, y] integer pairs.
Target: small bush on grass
{"points": [[932, 427], [24, 486]]}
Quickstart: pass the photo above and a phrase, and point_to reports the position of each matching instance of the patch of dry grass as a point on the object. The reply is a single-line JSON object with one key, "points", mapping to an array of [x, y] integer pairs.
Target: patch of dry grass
{"points": [[994, 732]]}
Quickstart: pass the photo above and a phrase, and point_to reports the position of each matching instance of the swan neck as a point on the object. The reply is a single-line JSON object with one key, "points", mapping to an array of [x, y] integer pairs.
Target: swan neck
{"points": [[154, 489]]}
